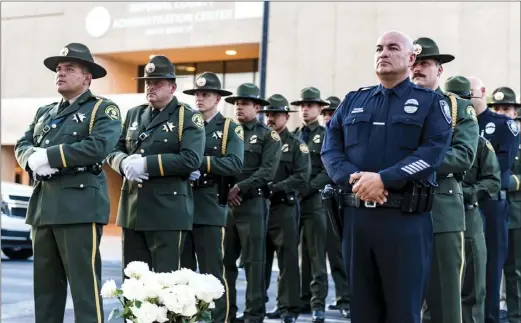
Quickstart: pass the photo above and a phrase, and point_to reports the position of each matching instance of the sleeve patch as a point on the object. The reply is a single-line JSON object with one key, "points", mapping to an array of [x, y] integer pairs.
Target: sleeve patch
{"points": [[512, 126], [239, 131], [112, 112], [489, 146], [275, 136], [472, 113], [197, 119], [304, 148], [446, 111]]}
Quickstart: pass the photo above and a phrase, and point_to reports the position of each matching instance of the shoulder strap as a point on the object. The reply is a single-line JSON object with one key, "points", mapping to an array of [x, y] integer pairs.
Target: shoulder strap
{"points": [[181, 122], [224, 143], [454, 105], [93, 115]]}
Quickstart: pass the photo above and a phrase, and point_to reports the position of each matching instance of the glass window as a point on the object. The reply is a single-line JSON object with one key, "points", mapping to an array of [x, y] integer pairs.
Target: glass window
{"points": [[214, 67]]}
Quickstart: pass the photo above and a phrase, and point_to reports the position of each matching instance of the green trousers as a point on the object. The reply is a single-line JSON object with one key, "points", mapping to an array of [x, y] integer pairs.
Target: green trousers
{"points": [[246, 234], [282, 238], [204, 246], [161, 250], [313, 232], [473, 290], [443, 301], [67, 253], [512, 270]]}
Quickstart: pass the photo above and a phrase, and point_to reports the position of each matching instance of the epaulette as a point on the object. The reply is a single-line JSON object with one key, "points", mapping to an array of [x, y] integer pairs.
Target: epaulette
{"points": [[365, 88]]}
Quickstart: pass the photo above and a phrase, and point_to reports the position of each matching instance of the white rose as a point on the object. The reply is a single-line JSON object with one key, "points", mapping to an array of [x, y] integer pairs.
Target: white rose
{"points": [[161, 314], [133, 289], [152, 287], [207, 288], [108, 290], [166, 280], [136, 269], [147, 313], [189, 310], [171, 302], [183, 276], [211, 305], [129, 321]]}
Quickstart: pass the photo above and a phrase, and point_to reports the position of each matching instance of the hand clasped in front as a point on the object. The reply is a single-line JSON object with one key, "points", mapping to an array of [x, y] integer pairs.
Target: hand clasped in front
{"points": [[369, 187]]}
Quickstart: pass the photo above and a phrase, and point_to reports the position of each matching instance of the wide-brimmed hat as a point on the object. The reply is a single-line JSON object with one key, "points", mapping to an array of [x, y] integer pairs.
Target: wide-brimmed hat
{"points": [[310, 95], [76, 52], [208, 82], [503, 96], [334, 102], [247, 91], [159, 67], [278, 103], [460, 86], [426, 48]]}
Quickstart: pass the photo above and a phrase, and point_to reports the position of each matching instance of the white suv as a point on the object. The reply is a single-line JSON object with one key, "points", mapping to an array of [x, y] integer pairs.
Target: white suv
{"points": [[16, 235]]}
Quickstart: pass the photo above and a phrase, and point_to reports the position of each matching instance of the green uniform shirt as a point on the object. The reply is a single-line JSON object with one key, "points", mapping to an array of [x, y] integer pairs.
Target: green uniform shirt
{"points": [[483, 180], [318, 178], [173, 144], [448, 211], [514, 193], [223, 157], [71, 198], [261, 158]]}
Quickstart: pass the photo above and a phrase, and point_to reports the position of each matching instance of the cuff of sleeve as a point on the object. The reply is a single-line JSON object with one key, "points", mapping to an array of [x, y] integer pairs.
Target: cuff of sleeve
{"points": [[154, 165], [386, 177], [242, 186], [514, 184], [25, 158], [56, 157], [117, 162]]}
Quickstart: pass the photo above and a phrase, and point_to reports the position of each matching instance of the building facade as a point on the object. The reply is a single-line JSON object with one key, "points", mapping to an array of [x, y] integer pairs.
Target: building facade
{"points": [[327, 45]]}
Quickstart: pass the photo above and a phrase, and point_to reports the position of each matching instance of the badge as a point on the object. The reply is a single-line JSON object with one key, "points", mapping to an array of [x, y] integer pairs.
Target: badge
{"points": [[490, 128], [112, 112], [489, 146], [253, 139], [275, 135], [150, 68], [200, 81], [239, 132], [64, 51], [133, 126], [410, 108], [417, 49], [472, 113], [316, 139], [285, 148], [198, 120], [498, 96], [512, 126], [446, 111], [412, 102], [217, 134], [79, 117], [304, 148], [169, 126]]}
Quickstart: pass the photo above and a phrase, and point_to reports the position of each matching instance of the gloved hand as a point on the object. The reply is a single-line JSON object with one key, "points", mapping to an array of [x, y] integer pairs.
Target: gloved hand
{"points": [[125, 161], [195, 175], [134, 169], [46, 170], [38, 159]]}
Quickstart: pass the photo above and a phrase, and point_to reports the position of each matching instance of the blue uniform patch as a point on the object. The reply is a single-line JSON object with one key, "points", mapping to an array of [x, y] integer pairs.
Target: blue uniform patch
{"points": [[446, 110], [512, 126]]}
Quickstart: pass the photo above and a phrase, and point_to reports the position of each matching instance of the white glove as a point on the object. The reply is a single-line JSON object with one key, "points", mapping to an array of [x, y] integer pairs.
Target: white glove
{"points": [[195, 175], [125, 161], [134, 169], [46, 170], [38, 159]]}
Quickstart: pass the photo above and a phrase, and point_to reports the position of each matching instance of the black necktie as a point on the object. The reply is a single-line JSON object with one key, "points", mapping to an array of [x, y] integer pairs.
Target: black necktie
{"points": [[305, 134], [63, 106], [205, 123], [155, 112]]}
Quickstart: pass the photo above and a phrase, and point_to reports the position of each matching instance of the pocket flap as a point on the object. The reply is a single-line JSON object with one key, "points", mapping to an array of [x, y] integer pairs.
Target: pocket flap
{"points": [[356, 118], [407, 120]]}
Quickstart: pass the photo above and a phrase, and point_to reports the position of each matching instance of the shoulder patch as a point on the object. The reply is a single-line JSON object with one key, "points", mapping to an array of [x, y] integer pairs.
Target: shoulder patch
{"points": [[197, 119], [275, 136], [472, 113], [446, 111], [304, 148], [489, 146], [513, 127], [239, 131], [112, 112]]}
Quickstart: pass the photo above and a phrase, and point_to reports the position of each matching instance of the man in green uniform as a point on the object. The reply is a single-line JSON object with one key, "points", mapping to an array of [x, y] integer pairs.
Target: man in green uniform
{"points": [[292, 173], [443, 299], [313, 222], [63, 150], [508, 105], [481, 181], [223, 158], [161, 144], [247, 218], [333, 250]]}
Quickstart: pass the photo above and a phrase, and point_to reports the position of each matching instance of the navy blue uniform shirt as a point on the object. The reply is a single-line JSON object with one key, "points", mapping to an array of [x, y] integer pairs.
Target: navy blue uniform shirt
{"points": [[401, 133], [503, 134]]}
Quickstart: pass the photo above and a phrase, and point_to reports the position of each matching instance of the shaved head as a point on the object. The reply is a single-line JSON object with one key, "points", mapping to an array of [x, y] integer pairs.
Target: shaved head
{"points": [[475, 82], [394, 57], [477, 87], [398, 36]]}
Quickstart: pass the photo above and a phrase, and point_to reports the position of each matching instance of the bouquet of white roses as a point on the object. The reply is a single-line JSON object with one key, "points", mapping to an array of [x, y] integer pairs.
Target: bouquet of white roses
{"points": [[181, 296]]}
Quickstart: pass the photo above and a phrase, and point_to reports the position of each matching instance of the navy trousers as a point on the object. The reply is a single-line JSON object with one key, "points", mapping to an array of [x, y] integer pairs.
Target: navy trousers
{"points": [[495, 219], [389, 258]]}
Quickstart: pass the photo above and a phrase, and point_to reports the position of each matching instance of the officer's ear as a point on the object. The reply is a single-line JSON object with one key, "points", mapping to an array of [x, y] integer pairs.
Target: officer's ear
{"points": [[440, 69], [173, 86]]}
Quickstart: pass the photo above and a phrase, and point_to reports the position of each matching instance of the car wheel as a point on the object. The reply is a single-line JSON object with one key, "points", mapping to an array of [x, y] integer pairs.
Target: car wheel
{"points": [[18, 254]]}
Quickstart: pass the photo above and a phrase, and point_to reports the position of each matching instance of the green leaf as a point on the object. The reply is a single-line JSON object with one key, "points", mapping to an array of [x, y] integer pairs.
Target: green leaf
{"points": [[138, 304], [114, 314]]}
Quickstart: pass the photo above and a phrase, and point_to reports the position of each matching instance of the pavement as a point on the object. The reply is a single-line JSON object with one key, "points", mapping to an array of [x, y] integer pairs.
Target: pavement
{"points": [[17, 282]]}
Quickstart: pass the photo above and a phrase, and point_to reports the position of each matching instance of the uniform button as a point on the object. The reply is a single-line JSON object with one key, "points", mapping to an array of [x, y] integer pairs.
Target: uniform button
{"points": [[74, 133], [175, 193], [142, 150], [214, 148], [140, 185], [81, 185], [517, 158], [205, 182], [204, 174], [53, 126], [47, 141], [450, 191], [165, 140]]}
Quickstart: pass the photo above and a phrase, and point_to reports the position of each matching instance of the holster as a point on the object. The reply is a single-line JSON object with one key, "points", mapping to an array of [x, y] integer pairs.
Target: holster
{"points": [[333, 209], [225, 183]]}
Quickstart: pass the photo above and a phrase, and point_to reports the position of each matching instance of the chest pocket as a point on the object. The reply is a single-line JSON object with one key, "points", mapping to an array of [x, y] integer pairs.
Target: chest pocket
{"points": [[72, 134], [165, 141], [356, 128], [406, 131], [253, 154]]}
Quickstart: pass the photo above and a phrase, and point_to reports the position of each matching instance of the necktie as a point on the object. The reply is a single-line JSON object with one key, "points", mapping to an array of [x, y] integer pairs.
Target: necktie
{"points": [[155, 112], [205, 123], [63, 106], [305, 134]]}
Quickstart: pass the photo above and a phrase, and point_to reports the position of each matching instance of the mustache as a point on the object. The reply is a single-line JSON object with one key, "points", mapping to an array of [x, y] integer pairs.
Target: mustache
{"points": [[418, 75]]}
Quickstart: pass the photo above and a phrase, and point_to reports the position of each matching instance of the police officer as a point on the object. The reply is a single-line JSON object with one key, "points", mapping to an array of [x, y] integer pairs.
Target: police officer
{"points": [[247, 218], [223, 158], [161, 144], [481, 181], [503, 133], [443, 300], [512, 269], [63, 150], [387, 157], [333, 249], [292, 173], [313, 220]]}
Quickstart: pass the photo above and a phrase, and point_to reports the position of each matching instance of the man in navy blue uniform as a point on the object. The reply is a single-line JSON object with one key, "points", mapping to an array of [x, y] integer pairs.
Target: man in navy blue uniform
{"points": [[503, 133], [386, 159]]}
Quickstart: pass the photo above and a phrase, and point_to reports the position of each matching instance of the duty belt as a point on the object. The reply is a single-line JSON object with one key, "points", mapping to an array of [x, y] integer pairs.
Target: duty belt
{"points": [[394, 201], [204, 182], [94, 169], [471, 206]]}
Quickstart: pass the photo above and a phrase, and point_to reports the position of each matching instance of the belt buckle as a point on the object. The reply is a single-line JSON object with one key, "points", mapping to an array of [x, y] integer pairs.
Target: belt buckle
{"points": [[46, 129], [370, 204], [143, 136]]}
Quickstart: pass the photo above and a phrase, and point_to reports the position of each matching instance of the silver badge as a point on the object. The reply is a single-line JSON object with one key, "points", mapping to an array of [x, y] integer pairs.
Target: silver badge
{"points": [[490, 128], [64, 51], [410, 108], [200, 81], [446, 111], [150, 68], [512, 126], [498, 96]]}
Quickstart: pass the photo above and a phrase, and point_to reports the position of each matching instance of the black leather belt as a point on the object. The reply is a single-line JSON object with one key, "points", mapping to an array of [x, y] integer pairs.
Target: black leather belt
{"points": [[394, 201], [204, 182], [94, 169], [471, 206], [282, 198]]}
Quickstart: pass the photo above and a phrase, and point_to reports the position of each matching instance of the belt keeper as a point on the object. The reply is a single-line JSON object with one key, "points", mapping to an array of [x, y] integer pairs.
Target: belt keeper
{"points": [[143, 136]]}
